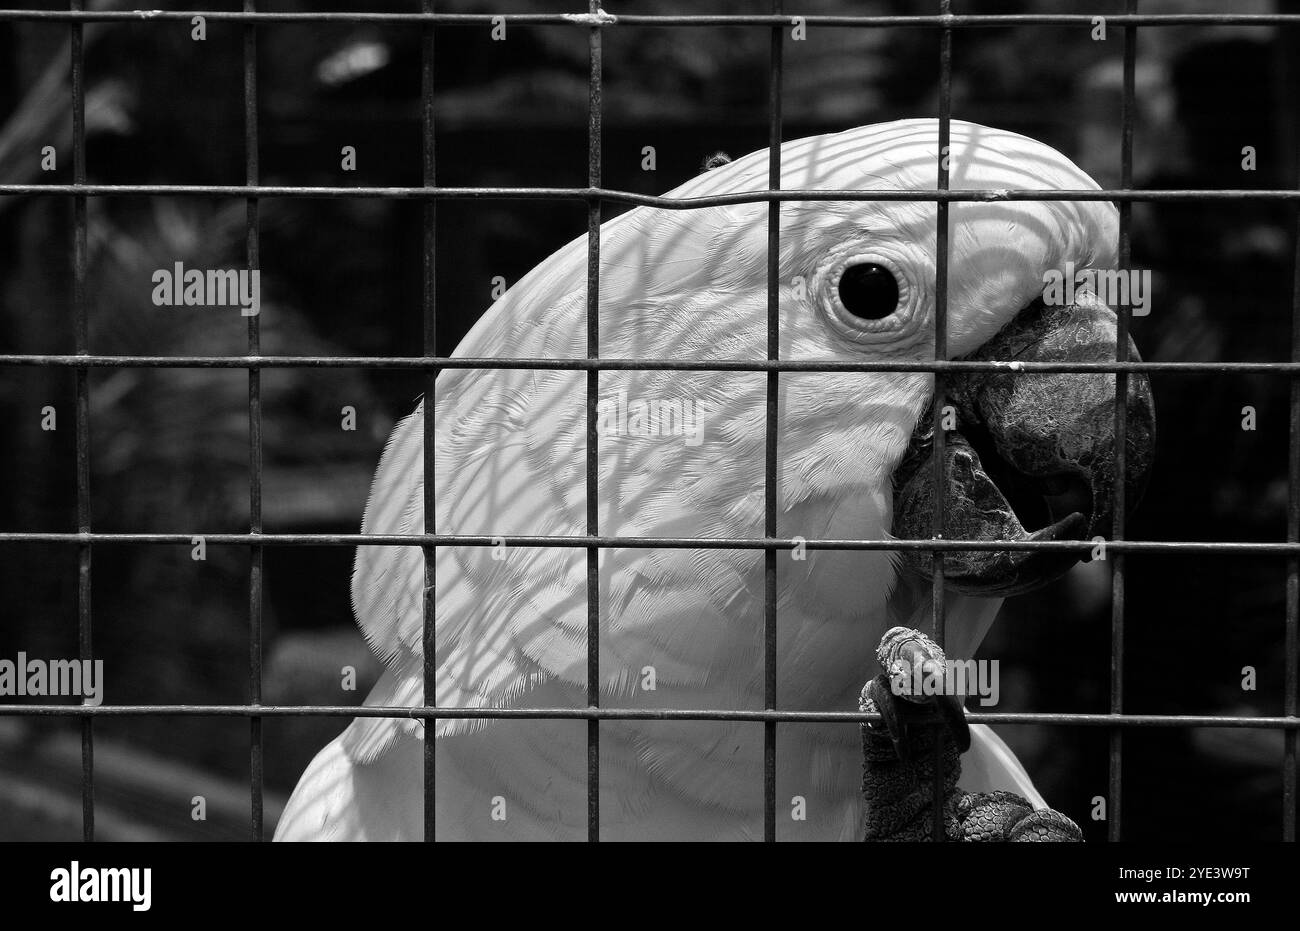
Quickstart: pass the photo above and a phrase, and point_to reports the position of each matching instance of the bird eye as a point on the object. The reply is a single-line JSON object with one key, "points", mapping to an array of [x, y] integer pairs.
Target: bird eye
{"points": [[868, 291]]}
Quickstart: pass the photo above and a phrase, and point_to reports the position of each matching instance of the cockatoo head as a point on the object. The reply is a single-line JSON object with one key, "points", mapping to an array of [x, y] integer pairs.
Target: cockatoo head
{"points": [[1030, 455]]}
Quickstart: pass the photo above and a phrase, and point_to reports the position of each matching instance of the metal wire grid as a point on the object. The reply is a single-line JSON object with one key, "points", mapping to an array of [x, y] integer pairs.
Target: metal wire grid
{"points": [[595, 21]]}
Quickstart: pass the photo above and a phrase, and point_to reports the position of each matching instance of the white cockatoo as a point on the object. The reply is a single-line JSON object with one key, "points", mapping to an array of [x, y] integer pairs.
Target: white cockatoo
{"points": [[681, 454]]}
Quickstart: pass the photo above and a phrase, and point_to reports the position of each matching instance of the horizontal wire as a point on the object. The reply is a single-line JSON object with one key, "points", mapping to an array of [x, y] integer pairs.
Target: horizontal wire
{"points": [[641, 365], [588, 20], [610, 195], [1230, 547], [638, 714]]}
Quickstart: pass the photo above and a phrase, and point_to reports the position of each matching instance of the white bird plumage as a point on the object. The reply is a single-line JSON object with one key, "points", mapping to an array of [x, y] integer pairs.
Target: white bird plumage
{"points": [[510, 459]]}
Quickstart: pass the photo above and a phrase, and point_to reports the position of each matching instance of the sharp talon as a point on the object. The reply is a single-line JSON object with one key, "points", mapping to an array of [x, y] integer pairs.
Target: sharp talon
{"points": [[882, 697], [953, 713]]}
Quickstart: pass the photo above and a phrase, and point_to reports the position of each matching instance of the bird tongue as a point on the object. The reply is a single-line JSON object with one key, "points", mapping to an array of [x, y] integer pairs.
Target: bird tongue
{"points": [[975, 508]]}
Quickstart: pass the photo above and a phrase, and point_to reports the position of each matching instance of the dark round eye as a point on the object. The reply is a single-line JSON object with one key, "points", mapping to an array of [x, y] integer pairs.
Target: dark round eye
{"points": [[868, 291]]}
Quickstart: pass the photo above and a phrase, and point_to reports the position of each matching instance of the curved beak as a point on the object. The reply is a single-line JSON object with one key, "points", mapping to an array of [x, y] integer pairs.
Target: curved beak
{"points": [[1033, 455]]}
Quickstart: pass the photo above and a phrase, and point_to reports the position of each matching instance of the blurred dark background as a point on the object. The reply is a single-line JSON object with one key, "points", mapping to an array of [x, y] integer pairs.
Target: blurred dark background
{"points": [[169, 447]]}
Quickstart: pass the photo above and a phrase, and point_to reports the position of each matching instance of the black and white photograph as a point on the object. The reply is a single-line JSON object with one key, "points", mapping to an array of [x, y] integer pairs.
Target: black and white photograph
{"points": [[651, 421]]}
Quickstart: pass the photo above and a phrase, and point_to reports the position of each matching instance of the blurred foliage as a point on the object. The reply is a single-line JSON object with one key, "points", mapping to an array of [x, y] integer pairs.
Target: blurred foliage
{"points": [[170, 447]]}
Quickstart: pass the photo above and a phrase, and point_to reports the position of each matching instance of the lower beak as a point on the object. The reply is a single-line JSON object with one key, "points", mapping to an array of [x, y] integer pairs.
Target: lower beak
{"points": [[1033, 455]]}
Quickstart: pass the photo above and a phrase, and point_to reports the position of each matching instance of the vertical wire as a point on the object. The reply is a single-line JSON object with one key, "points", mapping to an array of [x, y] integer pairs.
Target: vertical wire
{"points": [[770, 497], [1286, 65], [940, 387], [251, 174], [429, 314], [593, 451], [81, 338], [1292, 567], [1116, 754]]}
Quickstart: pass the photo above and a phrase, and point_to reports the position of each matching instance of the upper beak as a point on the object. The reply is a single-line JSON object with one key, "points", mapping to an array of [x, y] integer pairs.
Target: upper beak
{"points": [[1033, 455]]}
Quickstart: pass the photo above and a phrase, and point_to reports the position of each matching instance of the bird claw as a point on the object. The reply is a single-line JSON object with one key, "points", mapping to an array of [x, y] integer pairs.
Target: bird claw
{"points": [[898, 782]]}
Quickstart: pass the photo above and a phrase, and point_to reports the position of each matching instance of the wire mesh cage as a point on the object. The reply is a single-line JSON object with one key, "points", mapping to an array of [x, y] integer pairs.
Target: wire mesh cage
{"points": [[596, 24]]}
